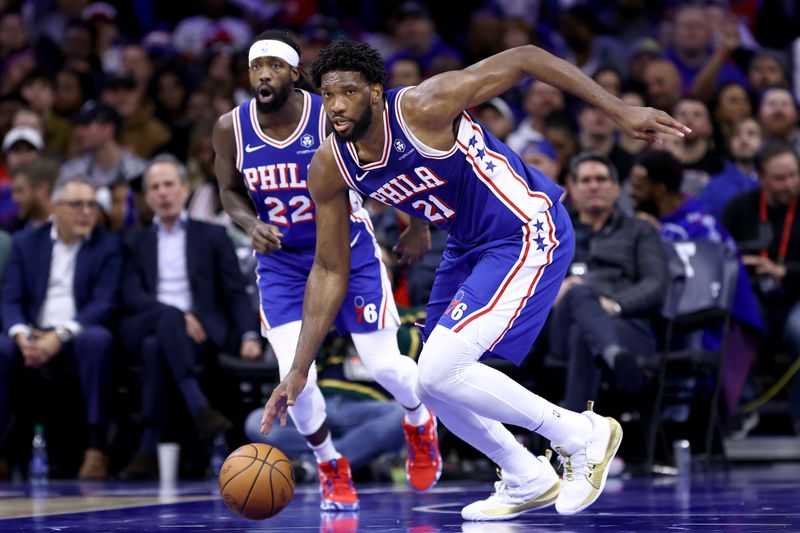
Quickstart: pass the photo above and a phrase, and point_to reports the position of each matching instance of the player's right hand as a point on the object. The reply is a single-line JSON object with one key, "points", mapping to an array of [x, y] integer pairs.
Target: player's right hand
{"points": [[282, 398], [265, 238]]}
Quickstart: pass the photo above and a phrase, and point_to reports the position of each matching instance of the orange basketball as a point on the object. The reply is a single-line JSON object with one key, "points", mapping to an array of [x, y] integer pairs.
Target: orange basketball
{"points": [[256, 481]]}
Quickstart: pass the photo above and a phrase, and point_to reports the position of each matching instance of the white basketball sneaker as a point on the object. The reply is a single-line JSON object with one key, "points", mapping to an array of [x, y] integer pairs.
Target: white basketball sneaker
{"points": [[586, 468], [512, 496]]}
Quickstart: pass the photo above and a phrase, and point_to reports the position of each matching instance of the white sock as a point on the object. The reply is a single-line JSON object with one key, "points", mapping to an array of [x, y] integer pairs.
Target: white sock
{"points": [[563, 427], [325, 451], [417, 416]]}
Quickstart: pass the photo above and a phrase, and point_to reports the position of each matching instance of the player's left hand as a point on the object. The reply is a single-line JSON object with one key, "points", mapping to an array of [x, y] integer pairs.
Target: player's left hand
{"points": [[646, 123], [413, 243], [282, 398]]}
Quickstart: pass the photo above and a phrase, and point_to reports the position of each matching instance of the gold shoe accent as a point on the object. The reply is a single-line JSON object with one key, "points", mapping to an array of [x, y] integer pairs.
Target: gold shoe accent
{"points": [[596, 474], [543, 500]]}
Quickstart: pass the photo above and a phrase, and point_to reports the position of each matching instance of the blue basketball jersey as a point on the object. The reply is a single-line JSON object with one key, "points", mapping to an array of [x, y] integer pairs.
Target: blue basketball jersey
{"points": [[275, 171], [479, 190]]}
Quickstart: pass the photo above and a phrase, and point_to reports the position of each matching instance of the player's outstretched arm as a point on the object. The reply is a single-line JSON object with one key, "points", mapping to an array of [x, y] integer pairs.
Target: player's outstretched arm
{"points": [[436, 102], [235, 199], [327, 283]]}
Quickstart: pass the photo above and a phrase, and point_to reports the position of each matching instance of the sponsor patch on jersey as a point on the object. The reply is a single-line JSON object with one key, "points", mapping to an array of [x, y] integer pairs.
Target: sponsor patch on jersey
{"points": [[399, 145], [307, 140]]}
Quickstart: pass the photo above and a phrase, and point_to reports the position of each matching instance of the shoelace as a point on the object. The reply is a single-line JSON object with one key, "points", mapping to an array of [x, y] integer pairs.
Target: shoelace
{"points": [[575, 464], [419, 446], [335, 478]]}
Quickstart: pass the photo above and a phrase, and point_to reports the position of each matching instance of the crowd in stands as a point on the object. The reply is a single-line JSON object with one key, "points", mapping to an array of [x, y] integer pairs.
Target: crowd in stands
{"points": [[107, 174]]}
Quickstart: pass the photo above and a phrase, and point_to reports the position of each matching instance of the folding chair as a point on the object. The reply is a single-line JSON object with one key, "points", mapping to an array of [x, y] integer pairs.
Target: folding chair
{"points": [[703, 276]]}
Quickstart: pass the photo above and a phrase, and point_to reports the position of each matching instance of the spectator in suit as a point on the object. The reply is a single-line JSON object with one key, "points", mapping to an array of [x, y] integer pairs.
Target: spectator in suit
{"points": [[183, 298], [618, 277], [60, 287]]}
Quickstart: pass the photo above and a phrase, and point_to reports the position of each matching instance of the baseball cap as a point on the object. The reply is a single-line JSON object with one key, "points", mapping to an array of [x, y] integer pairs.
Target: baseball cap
{"points": [[23, 134], [93, 111], [540, 146]]}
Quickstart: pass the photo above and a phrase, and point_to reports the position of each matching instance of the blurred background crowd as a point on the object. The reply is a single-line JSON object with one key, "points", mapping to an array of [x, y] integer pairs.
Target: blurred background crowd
{"points": [[106, 114]]}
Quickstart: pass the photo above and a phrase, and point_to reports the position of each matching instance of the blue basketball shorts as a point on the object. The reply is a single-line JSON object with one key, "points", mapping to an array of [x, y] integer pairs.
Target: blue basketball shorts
{"points": [[498, 294], [368, 305]]}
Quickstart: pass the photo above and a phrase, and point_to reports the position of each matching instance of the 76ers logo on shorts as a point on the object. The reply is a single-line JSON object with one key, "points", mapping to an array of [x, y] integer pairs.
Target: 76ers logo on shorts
{"points": [[456, 308], [365, 313]]}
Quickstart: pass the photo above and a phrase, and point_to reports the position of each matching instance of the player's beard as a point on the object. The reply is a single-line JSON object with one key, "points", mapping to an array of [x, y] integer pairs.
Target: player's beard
{"points": [[360, 127], [279, 97]]}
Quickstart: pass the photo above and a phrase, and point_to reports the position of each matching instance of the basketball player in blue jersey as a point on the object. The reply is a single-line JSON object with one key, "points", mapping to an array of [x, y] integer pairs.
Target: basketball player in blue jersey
{"points": [[263, 149], [509, 247]]}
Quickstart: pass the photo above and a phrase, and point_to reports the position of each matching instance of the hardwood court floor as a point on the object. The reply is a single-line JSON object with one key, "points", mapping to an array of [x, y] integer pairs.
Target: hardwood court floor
{"points": [[760, 498]]}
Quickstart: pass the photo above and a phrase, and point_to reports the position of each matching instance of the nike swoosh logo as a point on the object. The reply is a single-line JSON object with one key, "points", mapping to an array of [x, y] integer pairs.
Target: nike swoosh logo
{"points": [[249, 148], [360, 177]]}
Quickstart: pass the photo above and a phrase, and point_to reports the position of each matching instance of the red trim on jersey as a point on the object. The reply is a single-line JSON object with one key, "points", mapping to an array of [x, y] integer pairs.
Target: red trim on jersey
{"points": [[520, 263], [490, 183], [385, 290], [295, 134], [419, 145], [534, 282], [237, 134], [337, 155], [387, 143], [516, 176]]}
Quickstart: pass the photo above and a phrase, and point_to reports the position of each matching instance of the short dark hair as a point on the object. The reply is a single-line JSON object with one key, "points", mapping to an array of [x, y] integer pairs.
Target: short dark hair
{"points": [[592, 156], [40, 171], [770, 149], [350, 56], [662, 167]]}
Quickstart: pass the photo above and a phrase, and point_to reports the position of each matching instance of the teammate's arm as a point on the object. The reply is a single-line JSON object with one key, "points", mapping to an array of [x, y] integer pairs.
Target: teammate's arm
{"points": [[437, 101], [327, 283], [232, 192], [414, 242]]}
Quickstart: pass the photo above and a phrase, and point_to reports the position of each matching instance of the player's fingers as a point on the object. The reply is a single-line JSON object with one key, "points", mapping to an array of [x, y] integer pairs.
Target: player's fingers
{"points": [[667, 124]]}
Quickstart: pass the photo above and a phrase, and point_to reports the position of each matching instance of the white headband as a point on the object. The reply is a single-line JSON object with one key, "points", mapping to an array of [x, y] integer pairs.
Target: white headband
{"points": [[273, 48]]}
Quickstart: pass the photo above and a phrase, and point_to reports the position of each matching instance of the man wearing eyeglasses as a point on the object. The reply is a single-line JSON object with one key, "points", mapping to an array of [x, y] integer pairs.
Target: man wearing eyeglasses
{"points": [[58, 293]]}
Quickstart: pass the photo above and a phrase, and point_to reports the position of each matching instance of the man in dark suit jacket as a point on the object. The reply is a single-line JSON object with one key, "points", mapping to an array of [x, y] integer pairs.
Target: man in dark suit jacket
{"points": [[59, 290], [183, 296]]}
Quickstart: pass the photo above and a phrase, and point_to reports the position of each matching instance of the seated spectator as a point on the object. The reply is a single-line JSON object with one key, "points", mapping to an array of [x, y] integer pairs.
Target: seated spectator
{"points": [[21, 145], [656, 190], [102, 159], [617, 279], [31, 186], [777, 112], [696, 150], [59, 290], [497, 116], [730, 105], [598, 133], [663, 81], [767, 69], [38, 89], [764, 224], [183, 299], [739, 174], [141, 132], [404, 73], [539, 102], [542, 156]]}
